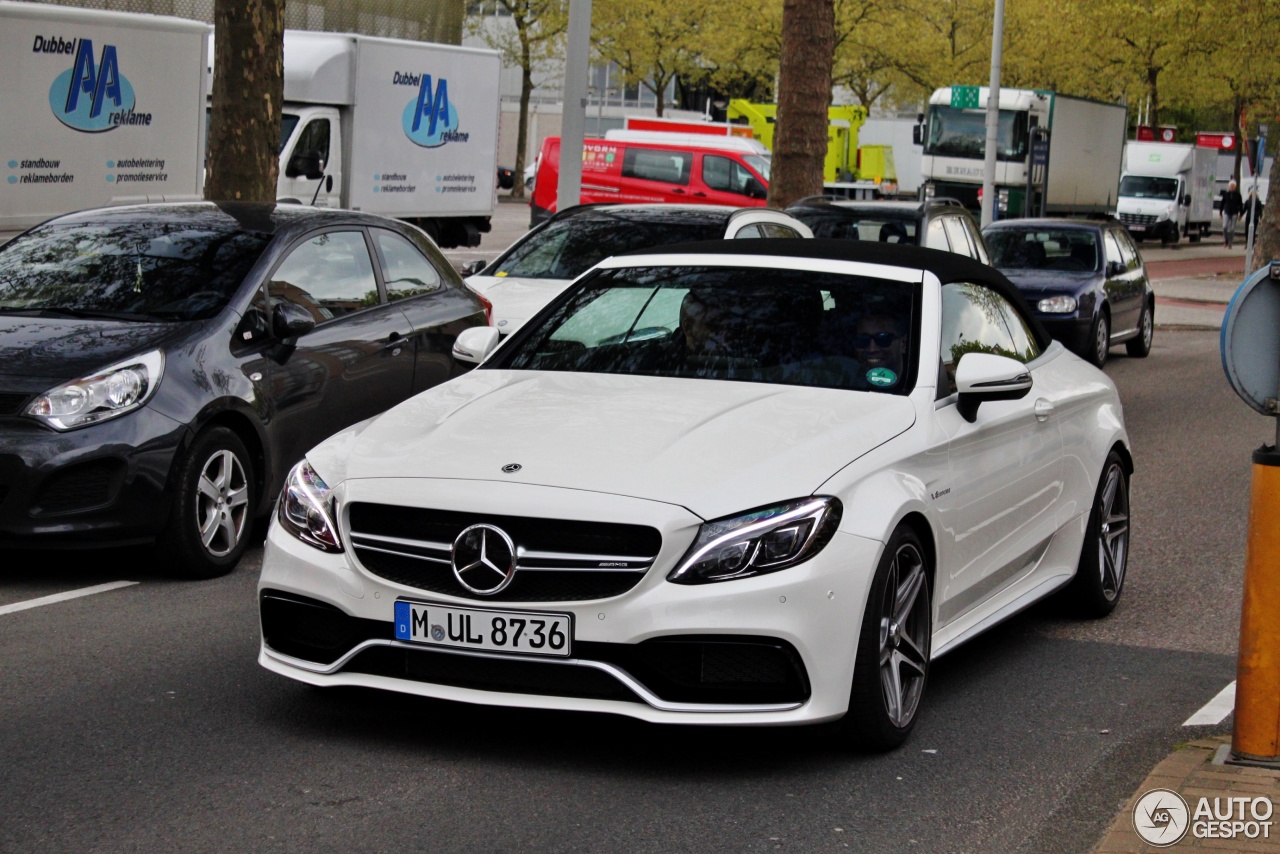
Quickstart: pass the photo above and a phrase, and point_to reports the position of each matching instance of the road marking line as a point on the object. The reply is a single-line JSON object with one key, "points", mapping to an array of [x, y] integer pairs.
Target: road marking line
{"points": [[63, 597], [1216, 710]]}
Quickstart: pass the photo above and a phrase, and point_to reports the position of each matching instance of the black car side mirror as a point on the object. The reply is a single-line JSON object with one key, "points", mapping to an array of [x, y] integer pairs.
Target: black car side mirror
{"points": [[1186, 200], [309, 165], [755, 190], [290, 320], [1115, 268], [917, 134]]}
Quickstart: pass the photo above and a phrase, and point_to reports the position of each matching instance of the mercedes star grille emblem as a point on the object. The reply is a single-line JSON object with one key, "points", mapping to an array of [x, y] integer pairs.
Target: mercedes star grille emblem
{"points": [[511, 468], [484, 559]]}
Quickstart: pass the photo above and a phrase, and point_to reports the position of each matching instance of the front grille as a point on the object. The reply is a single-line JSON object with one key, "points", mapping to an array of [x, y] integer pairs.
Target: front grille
{"points": [[1138, 219], [720, 669], [11, 404], [558, 560], [85, 486]]}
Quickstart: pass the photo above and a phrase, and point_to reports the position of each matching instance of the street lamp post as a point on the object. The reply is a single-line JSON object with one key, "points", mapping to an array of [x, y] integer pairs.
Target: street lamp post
{"points": [[993, 117]]}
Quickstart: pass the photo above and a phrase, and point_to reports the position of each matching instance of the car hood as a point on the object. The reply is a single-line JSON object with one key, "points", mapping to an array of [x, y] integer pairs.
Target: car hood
{"points": [[716, 448], [1036, 282], [514, 299], [37, 353]]}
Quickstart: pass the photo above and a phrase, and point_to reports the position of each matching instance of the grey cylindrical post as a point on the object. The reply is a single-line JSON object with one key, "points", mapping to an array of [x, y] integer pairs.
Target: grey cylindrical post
{"points": [[993, 117], [574, 120]]}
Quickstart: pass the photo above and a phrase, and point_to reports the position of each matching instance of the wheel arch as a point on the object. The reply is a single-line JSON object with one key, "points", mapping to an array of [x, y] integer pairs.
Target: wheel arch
{"points": [[248, 430], [919, 525]]}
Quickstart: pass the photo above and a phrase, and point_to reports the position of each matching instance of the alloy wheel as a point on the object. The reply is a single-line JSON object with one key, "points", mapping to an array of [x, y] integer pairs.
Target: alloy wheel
{"points": [[904, 635], [222, 503], [1113, 531]]}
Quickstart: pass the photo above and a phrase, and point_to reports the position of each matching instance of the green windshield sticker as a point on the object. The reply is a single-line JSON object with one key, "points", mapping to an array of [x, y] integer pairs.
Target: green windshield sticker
{"points": [[881, 376]]}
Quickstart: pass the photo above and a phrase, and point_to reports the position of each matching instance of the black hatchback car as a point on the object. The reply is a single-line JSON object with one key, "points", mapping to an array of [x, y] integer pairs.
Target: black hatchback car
{"points": [[1084, 279], [936, 224], [162, 367]]}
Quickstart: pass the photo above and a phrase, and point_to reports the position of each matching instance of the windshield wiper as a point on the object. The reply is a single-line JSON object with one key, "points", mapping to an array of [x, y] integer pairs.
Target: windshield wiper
{"points": [[63, 311]]}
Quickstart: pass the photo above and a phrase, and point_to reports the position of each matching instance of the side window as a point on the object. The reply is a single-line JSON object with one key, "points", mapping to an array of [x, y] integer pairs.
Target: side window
{"points": [[935, 237], [773, 229], [1128, 252], [670, 167], [1112, 248], [752, 230], [329, 275], [404, 270], [959, 238], [721, 173], [976, 319], [314, 139], [975, 237]]}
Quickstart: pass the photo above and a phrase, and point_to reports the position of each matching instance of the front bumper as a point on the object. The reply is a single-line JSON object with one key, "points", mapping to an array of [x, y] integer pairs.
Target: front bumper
{"points": [[774, 649], [1073, 330], [99, 485]]}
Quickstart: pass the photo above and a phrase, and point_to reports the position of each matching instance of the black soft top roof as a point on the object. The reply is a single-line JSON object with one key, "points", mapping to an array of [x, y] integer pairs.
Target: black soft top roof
{"points": [[947, 266]]}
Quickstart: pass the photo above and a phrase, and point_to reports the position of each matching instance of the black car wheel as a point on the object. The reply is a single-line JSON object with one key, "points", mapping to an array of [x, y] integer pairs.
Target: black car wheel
{"points": [[1139, 347], [208, 530], [892, 663], [1099, 339], [1104, 556]]}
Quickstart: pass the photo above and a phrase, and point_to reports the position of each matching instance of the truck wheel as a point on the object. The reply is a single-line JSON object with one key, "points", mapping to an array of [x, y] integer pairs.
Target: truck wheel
{"points": [[1193, 232], [208, 527], [1170, 236]]}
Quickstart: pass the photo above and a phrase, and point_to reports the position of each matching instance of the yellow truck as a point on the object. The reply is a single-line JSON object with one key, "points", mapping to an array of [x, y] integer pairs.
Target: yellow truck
{"points": [[847, 167]]}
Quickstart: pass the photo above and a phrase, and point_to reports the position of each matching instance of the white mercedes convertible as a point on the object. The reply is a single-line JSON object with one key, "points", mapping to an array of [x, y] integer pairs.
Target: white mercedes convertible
{"points": [[719, 483]]}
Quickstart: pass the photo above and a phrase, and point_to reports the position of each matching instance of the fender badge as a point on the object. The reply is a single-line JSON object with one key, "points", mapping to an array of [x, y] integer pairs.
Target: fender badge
{"points": [[512, 468]]}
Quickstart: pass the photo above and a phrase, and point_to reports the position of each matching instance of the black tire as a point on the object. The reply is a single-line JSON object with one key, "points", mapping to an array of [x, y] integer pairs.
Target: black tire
{"points": [[209, 528], [1099, 339], [1140, 347], [893, 653], [1104, 555]]}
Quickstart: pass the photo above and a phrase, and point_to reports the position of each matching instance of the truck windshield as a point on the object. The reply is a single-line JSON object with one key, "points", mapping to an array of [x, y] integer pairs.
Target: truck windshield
{"points": [[287, 123], [963, 133], [1148, 187]]}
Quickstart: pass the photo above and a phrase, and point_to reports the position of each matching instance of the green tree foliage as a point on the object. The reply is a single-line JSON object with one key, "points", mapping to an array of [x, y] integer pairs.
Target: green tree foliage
{"points": [[534, 36], [653, 41]]}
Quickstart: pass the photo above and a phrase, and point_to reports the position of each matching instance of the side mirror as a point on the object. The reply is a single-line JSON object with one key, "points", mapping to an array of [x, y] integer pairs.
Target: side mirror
{"points": [[1115, 268], [475, 344], [981, 377], [308, 165], [1186, 200], [290, 320], [473, 267], [917, 134], [755, 190]]}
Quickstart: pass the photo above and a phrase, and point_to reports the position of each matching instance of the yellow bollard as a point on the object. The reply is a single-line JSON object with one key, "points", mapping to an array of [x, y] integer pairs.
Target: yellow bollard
{"points": [[1257, 724]]}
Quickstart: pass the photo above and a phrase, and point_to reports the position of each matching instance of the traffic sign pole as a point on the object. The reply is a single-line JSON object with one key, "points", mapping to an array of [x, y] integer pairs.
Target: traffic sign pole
{"points": [[1251, 359]]}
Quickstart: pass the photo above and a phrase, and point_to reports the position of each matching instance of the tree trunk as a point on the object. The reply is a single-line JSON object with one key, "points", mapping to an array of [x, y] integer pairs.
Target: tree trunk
{"points": [[1153, 92], [248, 89], [522, 132], [1266, 240], [804, 94]]}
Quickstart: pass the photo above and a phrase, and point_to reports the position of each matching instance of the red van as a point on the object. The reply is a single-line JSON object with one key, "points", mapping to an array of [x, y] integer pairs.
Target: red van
{"points": [[648, 167]]}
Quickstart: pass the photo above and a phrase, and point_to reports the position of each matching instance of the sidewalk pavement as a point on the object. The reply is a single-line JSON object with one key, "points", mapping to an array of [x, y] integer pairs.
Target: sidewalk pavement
{"points": [[1197, 770], [1196, 299]]}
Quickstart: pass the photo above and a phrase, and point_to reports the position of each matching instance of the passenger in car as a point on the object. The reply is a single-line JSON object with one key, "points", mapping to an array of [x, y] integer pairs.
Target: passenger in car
{"points": [[879, 341]]}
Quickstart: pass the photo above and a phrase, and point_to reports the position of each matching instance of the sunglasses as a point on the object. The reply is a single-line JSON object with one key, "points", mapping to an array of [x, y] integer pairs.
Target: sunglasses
{"points": [[882, 339]]}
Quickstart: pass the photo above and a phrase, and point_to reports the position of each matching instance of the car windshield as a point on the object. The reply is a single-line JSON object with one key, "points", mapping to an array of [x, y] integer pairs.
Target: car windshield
{"points": [[127, 268], [747, 324], [567, 248], [1148, 187], [855, 225], [1065, 249], [963, 133]]}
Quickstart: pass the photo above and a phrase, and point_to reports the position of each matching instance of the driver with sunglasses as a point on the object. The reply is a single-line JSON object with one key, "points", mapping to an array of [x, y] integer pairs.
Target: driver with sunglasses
{"points": [[878, 342]]}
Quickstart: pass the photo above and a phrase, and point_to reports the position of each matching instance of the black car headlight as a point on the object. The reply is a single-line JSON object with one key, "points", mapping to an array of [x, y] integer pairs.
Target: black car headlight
{"points": [[760, 541], [112, 391], [306, 509]]}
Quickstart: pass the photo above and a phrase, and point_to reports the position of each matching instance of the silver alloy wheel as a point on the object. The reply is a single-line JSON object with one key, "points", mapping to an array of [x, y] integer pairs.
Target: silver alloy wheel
{"points": [[222, 503], [1101, 339], [904, 635], [1148, 331], [1113, 531]]}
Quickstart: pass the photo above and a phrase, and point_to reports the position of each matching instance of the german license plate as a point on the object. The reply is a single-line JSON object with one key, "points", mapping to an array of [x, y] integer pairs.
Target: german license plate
{"points": [[526, 632], [1137, 228]]}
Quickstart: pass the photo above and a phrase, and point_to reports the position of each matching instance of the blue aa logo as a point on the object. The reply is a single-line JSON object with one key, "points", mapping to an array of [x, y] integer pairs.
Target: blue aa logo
{"points": [[429, 118], [86, 96]]}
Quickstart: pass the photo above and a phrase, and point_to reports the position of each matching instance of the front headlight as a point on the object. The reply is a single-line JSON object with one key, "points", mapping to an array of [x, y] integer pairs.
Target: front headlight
{"points": [[115, 390], [761, 541], [1057, 305], [306, 509]]}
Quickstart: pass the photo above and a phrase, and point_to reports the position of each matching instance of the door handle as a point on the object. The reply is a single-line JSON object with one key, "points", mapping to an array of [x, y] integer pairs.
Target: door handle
{"points": [[395, 343], [701, 195], [1044, 409], [677, 190]]}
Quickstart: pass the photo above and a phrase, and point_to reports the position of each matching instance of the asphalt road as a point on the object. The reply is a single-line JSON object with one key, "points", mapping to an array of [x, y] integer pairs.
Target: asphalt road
{"points": [[138, 718]]}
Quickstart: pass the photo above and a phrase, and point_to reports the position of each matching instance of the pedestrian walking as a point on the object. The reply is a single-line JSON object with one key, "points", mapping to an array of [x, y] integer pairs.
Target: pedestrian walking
{"points": [[1252, 210], [1232, 205]]}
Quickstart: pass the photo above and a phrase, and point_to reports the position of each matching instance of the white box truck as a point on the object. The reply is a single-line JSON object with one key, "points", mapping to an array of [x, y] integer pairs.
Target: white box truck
{"points": [[400, 128], [101, 108], [1086, 145], [1167, 190]]}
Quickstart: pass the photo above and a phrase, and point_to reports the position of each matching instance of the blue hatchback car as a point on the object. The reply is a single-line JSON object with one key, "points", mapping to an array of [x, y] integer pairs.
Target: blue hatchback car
{"points": [[1083, 279]]}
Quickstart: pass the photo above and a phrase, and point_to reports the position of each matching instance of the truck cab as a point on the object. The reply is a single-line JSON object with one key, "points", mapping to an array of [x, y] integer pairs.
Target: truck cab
{"points": [[310, 156]]}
